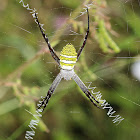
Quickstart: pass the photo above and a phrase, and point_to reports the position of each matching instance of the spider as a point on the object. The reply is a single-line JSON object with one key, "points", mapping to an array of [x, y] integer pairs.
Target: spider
{"points": [[67, 60]]}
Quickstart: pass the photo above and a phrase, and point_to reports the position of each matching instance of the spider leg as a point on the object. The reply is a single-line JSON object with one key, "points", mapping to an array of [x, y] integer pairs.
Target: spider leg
{"points": [[50, 91], [85, 90], [86, 36], [56, 58]]}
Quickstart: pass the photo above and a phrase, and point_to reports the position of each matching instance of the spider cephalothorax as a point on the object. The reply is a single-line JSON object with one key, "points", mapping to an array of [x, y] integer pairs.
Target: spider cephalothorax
{"points": [[67, 60]]}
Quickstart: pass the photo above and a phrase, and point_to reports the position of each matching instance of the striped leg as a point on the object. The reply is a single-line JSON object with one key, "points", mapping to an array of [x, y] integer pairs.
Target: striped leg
{"points": [[51, 90], [86, 36], [85, 90], [56, 58]]}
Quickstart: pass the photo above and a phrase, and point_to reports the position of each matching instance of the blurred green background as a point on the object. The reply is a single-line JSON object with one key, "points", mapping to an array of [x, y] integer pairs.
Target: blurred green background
{"points": [[27, 69]]}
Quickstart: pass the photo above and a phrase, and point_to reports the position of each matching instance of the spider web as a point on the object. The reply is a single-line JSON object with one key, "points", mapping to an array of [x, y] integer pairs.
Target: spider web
{"points": [[121, 91]]}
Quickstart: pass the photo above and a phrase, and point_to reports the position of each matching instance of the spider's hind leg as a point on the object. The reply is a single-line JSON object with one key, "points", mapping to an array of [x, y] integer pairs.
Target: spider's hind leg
{"points": [[50, 92], [45, 101], [85, 90], [93, 97]]}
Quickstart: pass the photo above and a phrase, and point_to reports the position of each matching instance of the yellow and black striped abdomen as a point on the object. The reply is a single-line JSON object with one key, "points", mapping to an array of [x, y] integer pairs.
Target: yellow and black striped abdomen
{"points": [[68, 57]]}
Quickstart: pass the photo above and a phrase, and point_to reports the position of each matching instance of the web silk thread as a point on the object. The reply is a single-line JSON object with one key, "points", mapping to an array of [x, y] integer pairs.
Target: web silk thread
{"points": [[32, 11], [117, 118], [34, 122]]}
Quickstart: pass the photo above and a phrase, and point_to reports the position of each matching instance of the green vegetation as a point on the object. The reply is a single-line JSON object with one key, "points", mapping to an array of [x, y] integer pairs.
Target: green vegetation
{"points": [[27, 69]]}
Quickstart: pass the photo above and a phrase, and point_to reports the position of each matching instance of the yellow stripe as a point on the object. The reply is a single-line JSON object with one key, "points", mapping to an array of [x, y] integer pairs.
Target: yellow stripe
{"points": [[61, 63], [69, 50]]}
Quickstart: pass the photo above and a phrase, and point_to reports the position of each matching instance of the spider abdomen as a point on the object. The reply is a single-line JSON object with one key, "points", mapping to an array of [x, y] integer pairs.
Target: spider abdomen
{"points": [[68, 57]]}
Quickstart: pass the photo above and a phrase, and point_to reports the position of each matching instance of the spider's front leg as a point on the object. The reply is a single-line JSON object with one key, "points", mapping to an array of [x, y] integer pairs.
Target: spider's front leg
{"points": [[54, 55], [50, 91], [86, 36]]}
